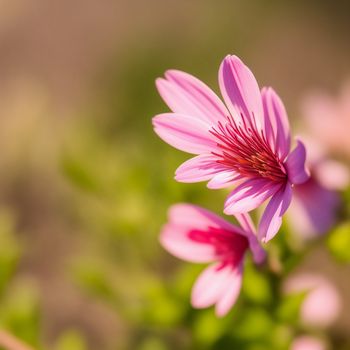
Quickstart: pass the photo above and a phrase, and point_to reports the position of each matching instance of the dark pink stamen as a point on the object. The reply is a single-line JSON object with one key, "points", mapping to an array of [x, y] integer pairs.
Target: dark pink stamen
{"points": [[247, 151], [229, 246]]}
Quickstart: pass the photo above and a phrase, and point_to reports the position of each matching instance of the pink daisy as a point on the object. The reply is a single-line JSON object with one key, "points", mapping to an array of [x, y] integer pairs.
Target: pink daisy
{"points": [[246, 144], [314, 311], [197, 235], [328, 119], [308, 342]]}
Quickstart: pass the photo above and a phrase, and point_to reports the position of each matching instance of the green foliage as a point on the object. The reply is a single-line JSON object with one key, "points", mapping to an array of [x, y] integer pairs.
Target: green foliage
{"points": [[163, 309], [123, 207], [289, 307], [71, 340], [255, 324], [20, 312], [93, 279], [256, 286], [152, 343], [80, 174], [207, 328], [9, 250], [338, 242]]}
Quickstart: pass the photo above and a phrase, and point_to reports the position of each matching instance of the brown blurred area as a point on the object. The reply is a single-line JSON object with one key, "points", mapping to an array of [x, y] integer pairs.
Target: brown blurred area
{"points": [[55, 57], [63, 44]]}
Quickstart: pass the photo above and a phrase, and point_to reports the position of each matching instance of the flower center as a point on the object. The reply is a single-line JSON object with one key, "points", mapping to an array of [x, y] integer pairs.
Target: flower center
{"points": [[247, 151], [229, 246]]}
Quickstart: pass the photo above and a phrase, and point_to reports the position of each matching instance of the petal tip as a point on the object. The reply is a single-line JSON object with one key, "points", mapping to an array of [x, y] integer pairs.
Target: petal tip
{"points": [[296, 164], [221, 313], [228, 211], [160, 85], [172, 73], [233, 58]]}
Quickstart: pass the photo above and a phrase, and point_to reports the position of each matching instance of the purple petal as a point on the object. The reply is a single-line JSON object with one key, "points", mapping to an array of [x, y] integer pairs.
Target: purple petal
{"points": [[295, 164], [276, 122], [249, 195], [240, 91], [314, 208], [271, 219], [185, 94], [183, 132]]}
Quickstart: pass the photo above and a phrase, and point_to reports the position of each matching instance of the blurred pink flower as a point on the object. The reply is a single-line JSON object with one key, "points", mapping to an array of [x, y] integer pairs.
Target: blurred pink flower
{"points": [[197, 235], [307, 342], [322, 304], [328, 119], [315, 203], [246, 143]]}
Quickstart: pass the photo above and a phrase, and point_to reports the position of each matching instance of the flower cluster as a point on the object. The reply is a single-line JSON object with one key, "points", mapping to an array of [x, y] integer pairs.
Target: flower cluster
{"points": [[244, 143]]}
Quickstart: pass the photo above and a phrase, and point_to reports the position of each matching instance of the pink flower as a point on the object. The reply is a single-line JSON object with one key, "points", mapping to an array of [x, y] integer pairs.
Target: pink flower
{"points": [[322, 304], [197, 235], [328, 119], [246, 144], [315, 203], [307, 342]]}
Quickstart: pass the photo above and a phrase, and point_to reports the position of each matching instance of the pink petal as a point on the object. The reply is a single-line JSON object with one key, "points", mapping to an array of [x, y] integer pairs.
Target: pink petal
{"points": [[185, 94], [183, 132], [332, 174], [199, 168], [276, 122], [175, 239], [240, 91], [209, 285], [295, 164], [231, 292], [246, 222], [217, 284], [308, 342], [195, 217], [223, 179], [249, 195], [271, 219], [315, 312], [249, 231]]}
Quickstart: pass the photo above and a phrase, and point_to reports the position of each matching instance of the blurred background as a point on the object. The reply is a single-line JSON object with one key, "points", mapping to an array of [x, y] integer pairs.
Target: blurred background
{"points": [[85, 183]]}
